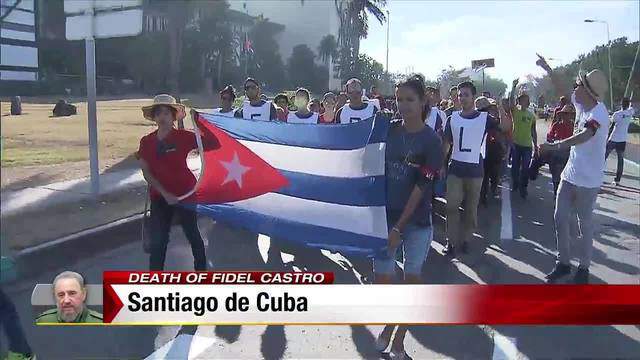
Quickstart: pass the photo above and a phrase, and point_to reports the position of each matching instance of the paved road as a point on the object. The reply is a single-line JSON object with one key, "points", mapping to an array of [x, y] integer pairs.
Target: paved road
{"points": [[521, 258]]}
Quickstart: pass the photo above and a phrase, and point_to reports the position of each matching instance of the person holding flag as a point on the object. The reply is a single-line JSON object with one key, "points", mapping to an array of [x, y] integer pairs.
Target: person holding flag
{"points": [[355, 110], [227, 97], [302, 115], [163, 158], [412, 162], [282, 106], [329, 106], [254, 108]]}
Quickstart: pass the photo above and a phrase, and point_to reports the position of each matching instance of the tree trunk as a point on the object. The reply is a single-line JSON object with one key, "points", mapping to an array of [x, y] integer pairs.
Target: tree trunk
{"points": [[220, 61]]}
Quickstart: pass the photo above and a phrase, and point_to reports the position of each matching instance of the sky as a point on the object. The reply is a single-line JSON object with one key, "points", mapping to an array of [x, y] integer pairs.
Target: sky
{"points": [[427, 36]]}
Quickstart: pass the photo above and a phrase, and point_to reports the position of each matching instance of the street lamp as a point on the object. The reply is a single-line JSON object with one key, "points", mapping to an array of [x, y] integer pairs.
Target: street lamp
{"points": [[388, 25], [609, 44]]}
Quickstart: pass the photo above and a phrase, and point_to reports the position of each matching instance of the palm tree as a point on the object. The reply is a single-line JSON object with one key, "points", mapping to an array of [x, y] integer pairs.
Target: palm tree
{"points": [[328, 48], [354, 26]]}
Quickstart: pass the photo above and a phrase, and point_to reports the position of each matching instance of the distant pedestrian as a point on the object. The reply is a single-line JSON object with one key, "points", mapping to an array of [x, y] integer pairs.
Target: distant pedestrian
{"points": [[227, 97], [329, 105], [525, 141], [618, 138], [282, 106]]}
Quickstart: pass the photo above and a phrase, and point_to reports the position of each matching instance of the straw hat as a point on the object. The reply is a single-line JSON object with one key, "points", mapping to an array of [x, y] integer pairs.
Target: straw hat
{"points": [[164, 99], [595, 82]]}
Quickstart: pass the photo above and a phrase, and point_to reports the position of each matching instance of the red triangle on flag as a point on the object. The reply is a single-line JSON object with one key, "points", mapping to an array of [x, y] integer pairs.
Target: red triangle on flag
{"points": [[231, 172]]}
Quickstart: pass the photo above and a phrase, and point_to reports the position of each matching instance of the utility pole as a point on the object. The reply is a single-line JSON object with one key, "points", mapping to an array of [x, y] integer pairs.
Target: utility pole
{"points": [[633, 66], [388, 25]]}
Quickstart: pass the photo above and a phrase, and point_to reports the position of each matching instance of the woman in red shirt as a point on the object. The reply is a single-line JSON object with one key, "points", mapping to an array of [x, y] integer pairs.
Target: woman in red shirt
{"points": [[163, 159], [329, 105]]}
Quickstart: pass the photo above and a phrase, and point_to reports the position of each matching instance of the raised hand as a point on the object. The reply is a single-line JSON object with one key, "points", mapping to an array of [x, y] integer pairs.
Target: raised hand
{"points": [[542, 62]]}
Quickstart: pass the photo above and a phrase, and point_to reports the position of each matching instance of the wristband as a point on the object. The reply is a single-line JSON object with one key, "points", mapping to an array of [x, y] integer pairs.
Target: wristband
{"points": [[395, 228]]}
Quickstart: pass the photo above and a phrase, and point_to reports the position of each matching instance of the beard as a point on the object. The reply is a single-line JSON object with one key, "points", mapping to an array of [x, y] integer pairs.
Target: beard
{"points": [[69, 316]]}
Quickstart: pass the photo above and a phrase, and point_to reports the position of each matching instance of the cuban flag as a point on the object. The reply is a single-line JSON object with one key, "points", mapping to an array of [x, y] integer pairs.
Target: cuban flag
{"points": [[322, 186]]}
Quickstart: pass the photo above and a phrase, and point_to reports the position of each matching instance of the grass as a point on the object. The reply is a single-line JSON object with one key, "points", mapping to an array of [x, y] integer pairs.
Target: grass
{"points": [[35, 138]]}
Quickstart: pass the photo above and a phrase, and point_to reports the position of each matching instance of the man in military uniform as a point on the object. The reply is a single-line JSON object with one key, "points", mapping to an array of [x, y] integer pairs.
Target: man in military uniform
{"points": [[70, 294]]}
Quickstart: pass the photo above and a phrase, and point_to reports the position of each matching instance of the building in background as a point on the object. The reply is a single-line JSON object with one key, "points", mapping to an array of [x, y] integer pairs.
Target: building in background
{"points": [[304, 23], [18, 43]]}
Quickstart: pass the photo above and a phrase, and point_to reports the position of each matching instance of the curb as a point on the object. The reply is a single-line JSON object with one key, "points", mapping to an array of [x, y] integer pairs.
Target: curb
{"points": [[56, 253]]}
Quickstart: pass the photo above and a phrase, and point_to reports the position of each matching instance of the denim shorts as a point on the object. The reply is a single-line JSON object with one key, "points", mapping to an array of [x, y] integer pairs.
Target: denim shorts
{"points": [[416, 241]]}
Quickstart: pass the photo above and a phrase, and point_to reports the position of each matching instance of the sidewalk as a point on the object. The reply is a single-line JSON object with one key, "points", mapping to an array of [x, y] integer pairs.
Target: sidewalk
{"points": [[40, 214]]}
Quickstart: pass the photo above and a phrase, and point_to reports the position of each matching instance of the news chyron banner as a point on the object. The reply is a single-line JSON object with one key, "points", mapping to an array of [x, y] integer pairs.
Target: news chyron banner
{"points": [[161, 298]]}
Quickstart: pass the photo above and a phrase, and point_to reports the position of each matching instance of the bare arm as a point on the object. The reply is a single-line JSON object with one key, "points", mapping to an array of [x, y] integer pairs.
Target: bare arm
{"points": [[557, 87], [512, 101], [169, 197], [410, 207], [577, 139]]}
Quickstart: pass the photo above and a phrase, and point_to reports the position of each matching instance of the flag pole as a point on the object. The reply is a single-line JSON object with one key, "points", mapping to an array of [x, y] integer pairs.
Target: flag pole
{"points": [[196, 129]]}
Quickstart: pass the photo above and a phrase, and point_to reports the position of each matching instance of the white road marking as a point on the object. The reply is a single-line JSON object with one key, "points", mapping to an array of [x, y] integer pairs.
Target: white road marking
{"points": [[506, 227], [632, 162], [504, 348], [264, 242]]}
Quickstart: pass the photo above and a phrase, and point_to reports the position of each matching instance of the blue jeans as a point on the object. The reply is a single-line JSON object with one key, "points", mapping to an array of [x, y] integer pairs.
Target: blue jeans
{"points": [[520, 166], [416, 241]]}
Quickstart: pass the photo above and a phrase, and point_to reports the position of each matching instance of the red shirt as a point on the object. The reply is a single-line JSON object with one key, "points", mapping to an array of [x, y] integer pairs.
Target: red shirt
{"points": [[322, 120], [167, 160], [560, 130]]}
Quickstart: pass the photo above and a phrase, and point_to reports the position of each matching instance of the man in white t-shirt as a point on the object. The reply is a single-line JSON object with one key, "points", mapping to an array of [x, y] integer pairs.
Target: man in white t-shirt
{"points": [[618, 137], [356, 109], [584, 172]]}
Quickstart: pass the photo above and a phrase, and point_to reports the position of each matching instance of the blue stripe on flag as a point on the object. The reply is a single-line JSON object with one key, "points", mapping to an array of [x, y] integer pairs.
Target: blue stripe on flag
{"points": [[366, 191], [330, 137], [294, 232]]}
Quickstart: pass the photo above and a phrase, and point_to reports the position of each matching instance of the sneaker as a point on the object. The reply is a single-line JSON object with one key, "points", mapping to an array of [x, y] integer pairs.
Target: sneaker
{"points": [[581, 277], [616, 183], [559, 271]]}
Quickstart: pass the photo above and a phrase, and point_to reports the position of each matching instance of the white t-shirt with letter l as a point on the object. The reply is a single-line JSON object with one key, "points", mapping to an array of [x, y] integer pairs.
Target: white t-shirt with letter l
{"points": [[586, 163]]}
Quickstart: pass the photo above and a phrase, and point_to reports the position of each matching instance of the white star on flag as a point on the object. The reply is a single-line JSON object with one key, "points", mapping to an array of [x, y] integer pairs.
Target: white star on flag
{"points": [[235, 170]]}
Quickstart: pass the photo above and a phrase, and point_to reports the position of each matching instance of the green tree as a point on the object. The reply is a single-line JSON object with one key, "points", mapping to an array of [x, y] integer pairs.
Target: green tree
{"points": [[328, 48], [266, 64], [303, 72], [622, 57], [208, 46], [354, 16]]}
